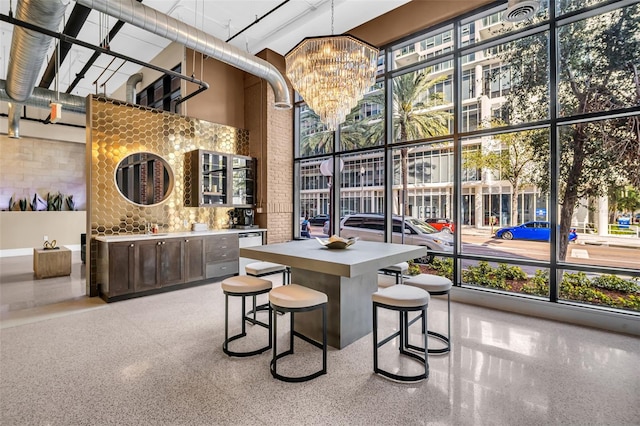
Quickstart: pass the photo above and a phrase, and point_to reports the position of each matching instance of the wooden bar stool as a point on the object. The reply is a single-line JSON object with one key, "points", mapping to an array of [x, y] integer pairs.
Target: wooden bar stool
{"points": [[436, 286], [295, 298], [244, 286], [402, 299]]}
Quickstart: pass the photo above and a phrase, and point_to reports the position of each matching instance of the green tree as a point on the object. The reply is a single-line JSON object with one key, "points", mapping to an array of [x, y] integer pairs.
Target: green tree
{"points": [[598, 62], [320, 140], [624, 198], [514, 160]]}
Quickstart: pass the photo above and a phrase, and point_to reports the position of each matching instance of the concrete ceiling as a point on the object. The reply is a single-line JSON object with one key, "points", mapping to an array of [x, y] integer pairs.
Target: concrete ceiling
{"points": [[280, 31]]}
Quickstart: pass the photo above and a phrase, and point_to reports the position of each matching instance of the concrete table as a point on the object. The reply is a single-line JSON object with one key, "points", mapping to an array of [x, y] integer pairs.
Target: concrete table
{"points": [[51, 263], [348, 277]]}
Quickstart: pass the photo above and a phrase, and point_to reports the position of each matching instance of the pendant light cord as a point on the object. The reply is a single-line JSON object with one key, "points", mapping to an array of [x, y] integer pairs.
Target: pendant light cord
{"points": [[332, 17]]}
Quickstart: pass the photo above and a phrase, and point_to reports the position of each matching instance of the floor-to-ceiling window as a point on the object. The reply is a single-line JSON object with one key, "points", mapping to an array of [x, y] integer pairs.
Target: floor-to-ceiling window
{"points": [[524, 135]]}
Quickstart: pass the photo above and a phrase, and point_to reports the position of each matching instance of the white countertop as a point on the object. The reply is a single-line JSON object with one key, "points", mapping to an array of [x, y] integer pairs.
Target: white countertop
{"points": [[163, 235]]}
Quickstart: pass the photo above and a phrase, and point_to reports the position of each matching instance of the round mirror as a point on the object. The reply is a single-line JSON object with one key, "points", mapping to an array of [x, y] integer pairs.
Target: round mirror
{"points": [[144, 178]]}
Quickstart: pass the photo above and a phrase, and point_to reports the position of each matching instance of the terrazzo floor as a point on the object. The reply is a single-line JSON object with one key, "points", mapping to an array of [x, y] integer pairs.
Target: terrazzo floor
{"points": [[158, 360]]}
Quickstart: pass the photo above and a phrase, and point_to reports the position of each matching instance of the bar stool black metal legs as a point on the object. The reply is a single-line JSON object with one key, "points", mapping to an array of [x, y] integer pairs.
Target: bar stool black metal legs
{"points": [[403, 299], [399, 269], [294, 298], [436, 286], [245, 286]]}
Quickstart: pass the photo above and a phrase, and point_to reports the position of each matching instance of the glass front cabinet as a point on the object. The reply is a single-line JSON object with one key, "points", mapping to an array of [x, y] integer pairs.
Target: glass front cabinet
{"points": [[214, 179], [243, 181]]}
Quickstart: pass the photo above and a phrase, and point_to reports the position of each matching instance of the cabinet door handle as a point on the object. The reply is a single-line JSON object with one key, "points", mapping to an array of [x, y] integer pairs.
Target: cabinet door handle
{"points": [[159, 243], [163, 242], [131, 245], [186, 241]]}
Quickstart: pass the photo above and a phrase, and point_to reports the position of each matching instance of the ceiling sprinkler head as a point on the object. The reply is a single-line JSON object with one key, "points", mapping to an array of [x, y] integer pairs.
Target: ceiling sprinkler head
{"points": [[520, 10]]}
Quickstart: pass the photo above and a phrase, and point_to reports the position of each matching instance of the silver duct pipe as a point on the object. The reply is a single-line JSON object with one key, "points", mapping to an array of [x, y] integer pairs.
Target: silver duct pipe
{"points": [[131, 87], [14, 120], [41, 98], [28, 48], [139, 15]]}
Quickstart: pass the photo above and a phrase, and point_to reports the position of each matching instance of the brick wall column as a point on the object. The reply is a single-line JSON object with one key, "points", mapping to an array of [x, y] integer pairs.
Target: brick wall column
{"points": [[271, 142]]}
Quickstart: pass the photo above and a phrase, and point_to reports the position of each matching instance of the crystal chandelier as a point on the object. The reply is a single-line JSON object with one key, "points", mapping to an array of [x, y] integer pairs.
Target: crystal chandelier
{"points": [[332, 74]]}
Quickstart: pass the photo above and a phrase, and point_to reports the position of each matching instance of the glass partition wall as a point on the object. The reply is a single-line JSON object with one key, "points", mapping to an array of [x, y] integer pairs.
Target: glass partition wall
{"points": [[519, 140]]}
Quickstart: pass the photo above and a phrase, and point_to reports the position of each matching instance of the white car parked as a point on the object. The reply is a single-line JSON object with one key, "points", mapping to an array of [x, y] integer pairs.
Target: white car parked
{"points": [[370, 227]]}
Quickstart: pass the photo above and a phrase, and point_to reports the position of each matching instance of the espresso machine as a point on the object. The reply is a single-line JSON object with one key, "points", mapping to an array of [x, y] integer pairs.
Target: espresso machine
{"points": [[243, 218]]}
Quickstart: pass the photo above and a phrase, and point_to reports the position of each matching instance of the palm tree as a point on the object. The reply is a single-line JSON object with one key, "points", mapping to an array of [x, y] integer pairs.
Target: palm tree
{"points": [[352, 132], [318, 142], [415, 115]]}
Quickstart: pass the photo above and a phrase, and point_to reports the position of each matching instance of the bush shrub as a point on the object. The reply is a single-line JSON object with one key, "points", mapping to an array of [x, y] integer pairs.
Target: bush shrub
{"points": [[444, 266], [485, 276], [511, 272], [538, 284], [615, 283]]}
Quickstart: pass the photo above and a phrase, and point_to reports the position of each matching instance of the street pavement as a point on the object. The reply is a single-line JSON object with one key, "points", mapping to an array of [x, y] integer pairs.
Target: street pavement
{"points": [[583, 238]]}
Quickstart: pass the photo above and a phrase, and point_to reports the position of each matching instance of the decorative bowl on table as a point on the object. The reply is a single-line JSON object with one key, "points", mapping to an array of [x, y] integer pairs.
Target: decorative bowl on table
{"points": [[335, 242]]}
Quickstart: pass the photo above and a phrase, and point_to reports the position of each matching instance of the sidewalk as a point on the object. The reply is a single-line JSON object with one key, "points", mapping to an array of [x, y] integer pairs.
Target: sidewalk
{"points": [[609, 240], [588, 239]]}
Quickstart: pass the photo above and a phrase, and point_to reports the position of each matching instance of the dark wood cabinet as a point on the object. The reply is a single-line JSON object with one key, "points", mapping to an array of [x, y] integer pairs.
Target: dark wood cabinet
{"points": [[171, 269], [146, 265], [116, 268], [151, 264], [194, 259], [158, 263]]}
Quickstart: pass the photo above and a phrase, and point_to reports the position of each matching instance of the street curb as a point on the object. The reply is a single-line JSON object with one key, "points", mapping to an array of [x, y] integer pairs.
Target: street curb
{"points": [[610, 244]]}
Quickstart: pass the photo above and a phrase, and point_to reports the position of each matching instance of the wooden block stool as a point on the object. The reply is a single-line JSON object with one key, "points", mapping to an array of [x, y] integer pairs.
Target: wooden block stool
{"points": [[296, 298], [403, 299], [399, 269], [245, 286], [49, 263], [261, 269], [436, 286]]}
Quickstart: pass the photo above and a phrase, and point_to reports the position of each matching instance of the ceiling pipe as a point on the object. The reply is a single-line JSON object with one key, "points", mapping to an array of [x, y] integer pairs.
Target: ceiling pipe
{"points": [[165, 26], [131, 87], [28, 48], [13, 130], [256, 21], [73, 26], [112, 34], [42, 98], [76, 103]]}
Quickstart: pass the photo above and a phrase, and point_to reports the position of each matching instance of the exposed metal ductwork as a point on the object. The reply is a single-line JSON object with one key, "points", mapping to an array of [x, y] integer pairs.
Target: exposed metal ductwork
{"points": [[13, 130], [41, 98], [28, 48], [131, 87], [139, 15]]}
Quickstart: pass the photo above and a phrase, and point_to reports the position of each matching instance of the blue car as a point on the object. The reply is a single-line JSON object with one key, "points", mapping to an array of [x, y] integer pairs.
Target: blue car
{"points": [[536, 231]]}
